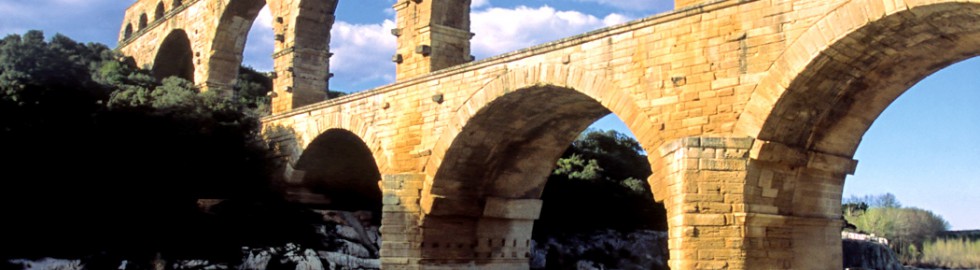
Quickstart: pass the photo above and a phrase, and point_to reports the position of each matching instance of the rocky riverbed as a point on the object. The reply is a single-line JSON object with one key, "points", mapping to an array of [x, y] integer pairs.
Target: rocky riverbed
{"points": [[347, 241], [349, 244], [608, 249]]}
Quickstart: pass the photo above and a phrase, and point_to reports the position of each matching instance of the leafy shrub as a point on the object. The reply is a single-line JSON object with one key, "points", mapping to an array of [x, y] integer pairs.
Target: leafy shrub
{"points": [[101, 156], [596, 185], [952, 253]]}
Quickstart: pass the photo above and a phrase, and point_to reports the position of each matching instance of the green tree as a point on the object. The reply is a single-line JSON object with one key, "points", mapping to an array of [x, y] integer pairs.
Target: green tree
{"points": [[952, 252], [906, 228], [576, 168], [596, 185], [252, 91], [100, 156], [886, 200]]}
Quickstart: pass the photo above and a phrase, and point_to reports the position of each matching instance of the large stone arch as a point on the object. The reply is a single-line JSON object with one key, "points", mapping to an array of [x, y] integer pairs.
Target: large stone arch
{"points": [[174, 57], [301, 57], [823, 94], [228, 42], [489, 166], [337, 170], [591, 84], [856, 42], [296, 137]]}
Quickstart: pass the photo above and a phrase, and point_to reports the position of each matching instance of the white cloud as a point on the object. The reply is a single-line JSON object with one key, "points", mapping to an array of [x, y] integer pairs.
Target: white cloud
{"points": [[390, 12], [260, 43], [636, 5], [265, 17], [614, 19], [500, 30], [362, 54]]}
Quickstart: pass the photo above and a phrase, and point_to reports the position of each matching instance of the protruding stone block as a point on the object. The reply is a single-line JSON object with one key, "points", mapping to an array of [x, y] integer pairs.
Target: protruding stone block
{"points": [[524, 209], [831, 163]]}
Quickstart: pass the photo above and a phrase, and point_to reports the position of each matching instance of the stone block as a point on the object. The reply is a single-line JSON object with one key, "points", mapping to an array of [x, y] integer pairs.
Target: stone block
{"points": [[704, 219], [402, 208], [392, 249], [391, 199], [402, 237], [712, 265], [399, 218], [435, 205], [525, 209], [712, 164], [831, 163], [394, 261]]}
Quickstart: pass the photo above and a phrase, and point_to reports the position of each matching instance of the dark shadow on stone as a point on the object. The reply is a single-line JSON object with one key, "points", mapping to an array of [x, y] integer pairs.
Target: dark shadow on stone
{"points": [[175, 57]]}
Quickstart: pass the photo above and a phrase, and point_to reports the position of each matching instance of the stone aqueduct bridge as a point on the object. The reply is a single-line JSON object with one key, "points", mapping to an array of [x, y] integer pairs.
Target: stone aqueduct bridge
{"points": [[750, 111]]}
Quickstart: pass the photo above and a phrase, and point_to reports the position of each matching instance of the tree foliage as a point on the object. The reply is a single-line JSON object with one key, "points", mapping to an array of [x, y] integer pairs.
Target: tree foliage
{"points": [[955, 253], [101, 156], [252, 90], [906, 228], [886, 200], [599, 183]]}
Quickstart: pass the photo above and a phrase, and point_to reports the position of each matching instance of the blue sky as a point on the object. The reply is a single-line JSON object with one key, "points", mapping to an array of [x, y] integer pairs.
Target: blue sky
{"points": [[925, 148]]}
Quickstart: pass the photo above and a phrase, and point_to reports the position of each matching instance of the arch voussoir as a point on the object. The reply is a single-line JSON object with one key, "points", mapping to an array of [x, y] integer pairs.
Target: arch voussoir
{"points": [[823, 93]]}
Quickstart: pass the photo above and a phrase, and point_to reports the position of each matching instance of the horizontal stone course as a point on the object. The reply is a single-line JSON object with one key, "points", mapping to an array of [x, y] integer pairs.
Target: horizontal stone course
{"points": [[749, 110]]}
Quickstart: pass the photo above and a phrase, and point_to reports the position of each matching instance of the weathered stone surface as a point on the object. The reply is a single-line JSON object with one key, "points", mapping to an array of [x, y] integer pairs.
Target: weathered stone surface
{"points": [[750, 110], [527, 209]]}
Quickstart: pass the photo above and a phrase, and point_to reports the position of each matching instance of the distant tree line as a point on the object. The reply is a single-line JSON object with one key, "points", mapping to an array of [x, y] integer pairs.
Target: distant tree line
{"points": [[908, 229]]}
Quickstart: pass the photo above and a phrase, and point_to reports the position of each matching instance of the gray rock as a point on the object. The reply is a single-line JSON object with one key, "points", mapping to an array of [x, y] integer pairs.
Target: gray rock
{"points": [[869, 255], [602, 250], [48, 264]]}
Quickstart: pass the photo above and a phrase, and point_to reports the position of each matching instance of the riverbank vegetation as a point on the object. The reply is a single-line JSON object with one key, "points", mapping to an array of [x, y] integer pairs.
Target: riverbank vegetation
{"points": [[956, 253], [914, 234]]}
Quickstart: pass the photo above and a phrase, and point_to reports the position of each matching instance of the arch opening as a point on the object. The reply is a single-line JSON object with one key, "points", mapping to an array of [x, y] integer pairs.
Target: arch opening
{"points": [[128, 32], [175, 57], [231, 37], [158, 14], [549, 119], [499, 172], [294, 40], [917, 157], [143, 21], [178, 3], [833, 101], [896, 156], [829, 105], [338, 171]]}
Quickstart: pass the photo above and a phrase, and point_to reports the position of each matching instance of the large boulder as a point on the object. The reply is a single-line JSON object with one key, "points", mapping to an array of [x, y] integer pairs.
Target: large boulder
{"points": [[860, 254]]}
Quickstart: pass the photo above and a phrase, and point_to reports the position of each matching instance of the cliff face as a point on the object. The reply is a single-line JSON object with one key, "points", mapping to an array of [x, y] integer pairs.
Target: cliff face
{"points": [[869, 255]]}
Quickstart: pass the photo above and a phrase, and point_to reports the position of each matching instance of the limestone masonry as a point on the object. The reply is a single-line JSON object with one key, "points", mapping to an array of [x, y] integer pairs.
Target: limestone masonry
{"points": [[750, 111]]}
